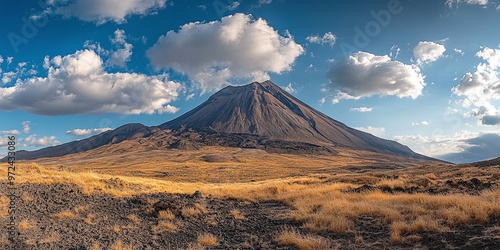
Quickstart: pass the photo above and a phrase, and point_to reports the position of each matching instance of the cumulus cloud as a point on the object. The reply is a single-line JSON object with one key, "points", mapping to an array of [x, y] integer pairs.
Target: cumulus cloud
{"points": [[422, 123], [123, 50], [362, 109], [236, 47], [427, 52], [451, 3], [34, 140], [363, 74], [85, 132], [102, 11], [374, 131], [327, 38], [79, 84], [482, 87]]}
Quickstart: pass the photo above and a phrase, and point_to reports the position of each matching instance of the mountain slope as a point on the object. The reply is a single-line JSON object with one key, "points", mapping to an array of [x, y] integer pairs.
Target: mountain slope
{"points": [[267, 110]]}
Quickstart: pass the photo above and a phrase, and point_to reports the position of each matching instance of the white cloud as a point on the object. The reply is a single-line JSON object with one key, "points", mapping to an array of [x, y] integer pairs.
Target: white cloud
{"points": [[482, 87], [450, 3], [237, 47], [328, 38], [459, 51], [422, 123], [362, 109], [123, 50], [10, 132], [233, 6], [78, 84], [26, 127], [85, 132], [331, 60], [102, 11], [374, 131], [394, 51], [289, 89], [427, 52], [32, 140], [363, 74]]}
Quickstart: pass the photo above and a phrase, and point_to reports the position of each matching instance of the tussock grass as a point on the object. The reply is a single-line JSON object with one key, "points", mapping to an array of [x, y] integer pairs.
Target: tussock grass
{"points": [[164, 226], [190, 212], [118, 245], [166, 215], [306, 242], [65, 214], [207, 239]]}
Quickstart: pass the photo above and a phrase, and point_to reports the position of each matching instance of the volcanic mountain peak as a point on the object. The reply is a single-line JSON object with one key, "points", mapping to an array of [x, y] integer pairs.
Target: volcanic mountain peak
{"points": [[267, 110], [256, 115]]}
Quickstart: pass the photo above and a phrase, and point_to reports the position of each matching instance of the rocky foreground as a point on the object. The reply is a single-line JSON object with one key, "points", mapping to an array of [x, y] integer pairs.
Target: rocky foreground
{"points": [[60, 216]]}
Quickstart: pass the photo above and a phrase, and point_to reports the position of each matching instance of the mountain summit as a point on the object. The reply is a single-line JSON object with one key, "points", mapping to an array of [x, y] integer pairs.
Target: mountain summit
{"points": [[256, 115], [267, 110]]}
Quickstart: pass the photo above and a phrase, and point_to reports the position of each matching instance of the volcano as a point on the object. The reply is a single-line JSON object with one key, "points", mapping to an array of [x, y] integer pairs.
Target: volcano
{"points": [[256, 115]]}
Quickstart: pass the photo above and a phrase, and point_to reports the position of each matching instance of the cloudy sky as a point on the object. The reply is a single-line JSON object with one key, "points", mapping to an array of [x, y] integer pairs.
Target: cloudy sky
{"points": [[424, 73]]}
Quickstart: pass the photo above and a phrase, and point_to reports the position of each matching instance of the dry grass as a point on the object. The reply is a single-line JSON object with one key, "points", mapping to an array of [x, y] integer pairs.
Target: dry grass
{"points": [[26, 224], [118, 245], [207, 239], [65, 214], [309, 242], [164, 226], [52, 238], [190, 212], [201, 208], [237, 214], [115, 229], [391, 183], [133, 218], [166, 215], [320, 200]]}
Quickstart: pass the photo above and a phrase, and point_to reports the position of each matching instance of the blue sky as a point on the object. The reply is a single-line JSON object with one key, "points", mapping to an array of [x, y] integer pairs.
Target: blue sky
{"points": [[424, 73]]}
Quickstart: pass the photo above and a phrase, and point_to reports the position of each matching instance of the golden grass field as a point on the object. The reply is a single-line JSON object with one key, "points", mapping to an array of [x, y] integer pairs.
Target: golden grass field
{"points": [[220, 164], [321, 201]]}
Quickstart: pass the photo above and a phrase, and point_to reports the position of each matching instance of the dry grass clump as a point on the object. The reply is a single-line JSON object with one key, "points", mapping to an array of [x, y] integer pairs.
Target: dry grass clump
{"points": [[52, 238], [133, 218], [118, 245], [207, 239], [309, 242], [201, 208], [26, 224], [190, 212], [391, 183], [237, 214], [65, 214], [164, 226], [166, 215]]}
